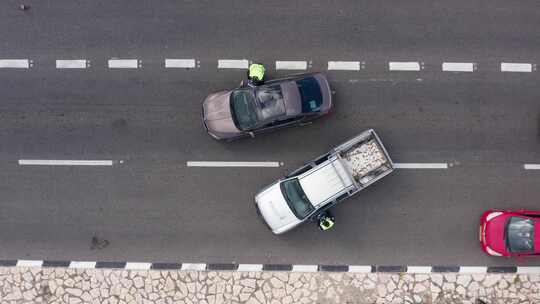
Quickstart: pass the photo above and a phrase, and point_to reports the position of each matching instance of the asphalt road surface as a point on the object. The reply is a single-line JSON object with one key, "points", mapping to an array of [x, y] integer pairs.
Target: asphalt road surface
{"points": [[150, 206]]}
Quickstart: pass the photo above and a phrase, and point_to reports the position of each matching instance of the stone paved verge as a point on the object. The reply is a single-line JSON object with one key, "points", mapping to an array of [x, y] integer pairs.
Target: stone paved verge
{"points": [[31, 285]]}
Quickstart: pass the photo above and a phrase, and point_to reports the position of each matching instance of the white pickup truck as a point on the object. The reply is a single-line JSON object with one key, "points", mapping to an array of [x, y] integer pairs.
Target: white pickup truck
{"points": [[323, 182]]}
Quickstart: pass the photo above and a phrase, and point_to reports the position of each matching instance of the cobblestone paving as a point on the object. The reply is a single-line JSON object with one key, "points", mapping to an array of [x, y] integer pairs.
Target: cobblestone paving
{"points": [[75, 286]]}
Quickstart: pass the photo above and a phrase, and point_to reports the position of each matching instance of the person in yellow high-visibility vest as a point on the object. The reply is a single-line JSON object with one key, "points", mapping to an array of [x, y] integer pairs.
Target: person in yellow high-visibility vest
{"points": [[326, 221], [256, 74]]}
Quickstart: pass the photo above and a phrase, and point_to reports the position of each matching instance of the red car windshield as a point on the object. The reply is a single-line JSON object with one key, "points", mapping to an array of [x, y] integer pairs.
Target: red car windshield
{"points": [[519, 236]]}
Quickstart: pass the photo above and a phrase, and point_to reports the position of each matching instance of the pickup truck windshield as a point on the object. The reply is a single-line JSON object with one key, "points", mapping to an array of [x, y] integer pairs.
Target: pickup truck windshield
{"points": [[296, 198], [519, 234]]}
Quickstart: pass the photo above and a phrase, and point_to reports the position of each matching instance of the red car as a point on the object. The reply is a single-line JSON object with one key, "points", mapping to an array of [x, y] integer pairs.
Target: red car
{"points": [[510, 232]]}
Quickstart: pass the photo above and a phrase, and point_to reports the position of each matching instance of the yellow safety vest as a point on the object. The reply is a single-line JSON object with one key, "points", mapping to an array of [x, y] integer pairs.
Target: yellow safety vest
{"points": [[256, 71], [327, 224]]}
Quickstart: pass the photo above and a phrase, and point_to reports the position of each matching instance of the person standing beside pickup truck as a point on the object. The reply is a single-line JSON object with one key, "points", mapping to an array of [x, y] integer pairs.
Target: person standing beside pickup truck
{"points": [[326, 221]]}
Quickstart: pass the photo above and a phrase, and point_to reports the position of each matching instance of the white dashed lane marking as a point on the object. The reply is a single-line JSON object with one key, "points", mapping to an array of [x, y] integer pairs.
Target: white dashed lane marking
{"points": [[180, 63], [233, 64], [404, 66], [458, 66], [124, 63], [421, 165], [516, 67], [71, 64], [231, 164], [15, 63], [531, 166], [291, 65], [344, 65], [58, 162]]}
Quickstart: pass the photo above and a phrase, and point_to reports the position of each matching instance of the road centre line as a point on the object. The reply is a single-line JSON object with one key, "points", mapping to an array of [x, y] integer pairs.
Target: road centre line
{"points": [[458, 66], [404, 66], [58, 162], [291, 65], [516, 67], [123, 63], [531, 166], [231, 164], [15, 63], [233, 64], [421, 165], [344, 65], [180, 63], [71, 64]]}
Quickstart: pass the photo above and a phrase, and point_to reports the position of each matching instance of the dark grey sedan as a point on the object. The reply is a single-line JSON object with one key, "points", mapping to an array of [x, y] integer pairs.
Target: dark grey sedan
{"points": [[247, 110]]}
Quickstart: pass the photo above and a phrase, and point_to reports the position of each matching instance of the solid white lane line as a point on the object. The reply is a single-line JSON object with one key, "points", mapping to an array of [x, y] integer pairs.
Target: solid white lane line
{"points": [[528, 270], [231, 164], [344, 65], [472, 269], [250, 267], [359, 269], [59, 162], [193, 266], [123, 63], [305, 268], [233, 64], [180, 63], [516, 67], [458, 66], [531, 166], [138, 266], [15, 63], [421, 165], [29, 263], [404, 66], [71, 64], [291, 65], [82, 265], [418, 269]]}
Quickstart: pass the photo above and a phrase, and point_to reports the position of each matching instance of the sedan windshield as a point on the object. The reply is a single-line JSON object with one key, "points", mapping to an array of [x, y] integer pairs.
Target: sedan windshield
{"points": [[244, 109], [296, 198], [311, 95], [519, 234]]}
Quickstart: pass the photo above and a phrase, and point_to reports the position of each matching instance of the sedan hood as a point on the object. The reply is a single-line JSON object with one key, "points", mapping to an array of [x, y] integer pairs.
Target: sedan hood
{"points": [[275, 210], [217, 115], [495, 233]]}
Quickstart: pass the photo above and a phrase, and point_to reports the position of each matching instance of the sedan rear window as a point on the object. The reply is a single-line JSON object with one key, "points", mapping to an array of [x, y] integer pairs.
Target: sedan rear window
{"points": [[296, 198], [311, 95], [519, 234]]}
